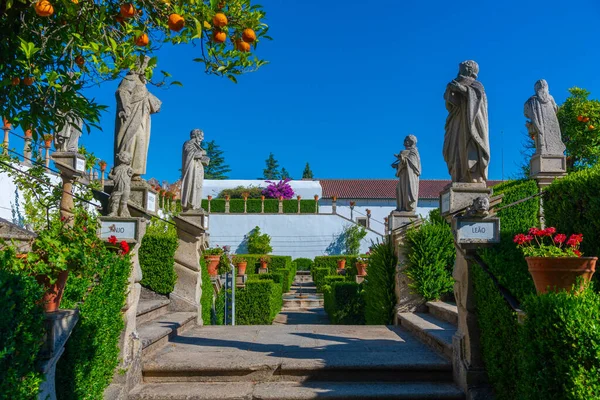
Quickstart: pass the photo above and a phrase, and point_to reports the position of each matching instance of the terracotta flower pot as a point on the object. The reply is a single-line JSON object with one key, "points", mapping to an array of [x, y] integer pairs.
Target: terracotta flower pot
{"points": [[47, 143], [341, 263], [241, 268], [54, 292], [263, 264], [212, 263], [558, 273], [361, 268]]}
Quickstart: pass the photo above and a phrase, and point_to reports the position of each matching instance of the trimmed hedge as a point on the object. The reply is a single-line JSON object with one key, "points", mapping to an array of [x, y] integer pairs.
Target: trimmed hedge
{"points": [[379, 286], [253, 206], [331, 263], [21, 331], [430, 255], [278, 278], [256, 303], [344, 303], [276, 263], [329, 280], [304, 264], [319, 275], [497, 322], [157, 258], [573, 205], [206, 299], [91, 354]]}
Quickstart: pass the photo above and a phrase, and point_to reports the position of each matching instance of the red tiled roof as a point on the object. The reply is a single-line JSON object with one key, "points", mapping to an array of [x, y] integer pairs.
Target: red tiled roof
{"points": [[380, 188]]}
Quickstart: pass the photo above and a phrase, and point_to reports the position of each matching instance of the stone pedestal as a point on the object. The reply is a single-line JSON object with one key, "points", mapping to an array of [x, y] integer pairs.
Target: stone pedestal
{"points": [[71, 167], [58, 327], [399, 219], [192, 240], [143, 197], [545, 169], [240, 281], [360, 278], [132, 231], [457, 196], [263, 270]]}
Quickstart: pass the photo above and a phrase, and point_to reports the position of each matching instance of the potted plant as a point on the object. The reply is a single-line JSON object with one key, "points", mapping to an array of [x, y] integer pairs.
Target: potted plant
{"points": [[361, 264], [212, 257], [555, 262], [241, 263], [264, 261], [341, 263], [48, 140]]}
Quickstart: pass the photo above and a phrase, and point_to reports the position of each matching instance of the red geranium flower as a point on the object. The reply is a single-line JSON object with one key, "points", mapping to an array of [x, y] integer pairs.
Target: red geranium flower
{"points": [[560, 238], [577, 253], [549, 231], [519, 239], [124, 247], [112, 239]]}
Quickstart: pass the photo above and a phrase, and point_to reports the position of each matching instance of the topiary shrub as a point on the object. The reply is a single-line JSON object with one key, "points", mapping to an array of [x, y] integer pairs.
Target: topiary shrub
{"points": [[21, 331], [303, 264], [254, 206], [157, 257], [560, 339], [329, 280], [206, 299], [255, 303], [344, 303], [276, 301], [430, 255], [259, 243], [379, 286], [319, 275], [331, 263]]}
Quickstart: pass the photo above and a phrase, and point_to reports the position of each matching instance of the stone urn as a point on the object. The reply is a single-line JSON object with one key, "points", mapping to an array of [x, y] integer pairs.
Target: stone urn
{"points": [[361, 268], [241, 266], [341, 263], [558, 273], [54, 291], [212, 262]]}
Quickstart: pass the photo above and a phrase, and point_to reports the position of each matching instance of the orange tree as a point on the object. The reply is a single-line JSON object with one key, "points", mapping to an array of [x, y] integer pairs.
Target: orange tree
{"points": [[51, 50], [579, 119]]}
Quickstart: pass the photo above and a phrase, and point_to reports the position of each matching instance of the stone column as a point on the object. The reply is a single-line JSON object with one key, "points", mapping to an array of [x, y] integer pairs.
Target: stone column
{"points": [[191, 233], [545, 169], [6, 129], [71, 167], [58, 326], [280, 205], [27, 148]]}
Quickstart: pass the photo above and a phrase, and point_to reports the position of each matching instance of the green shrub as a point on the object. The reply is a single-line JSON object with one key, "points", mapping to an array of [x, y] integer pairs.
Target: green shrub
{"points": [[259, 243], [21, 331], [157, 257], [497, 322], [91, 354], [331, 263], [430, 255], [560, 351], [276, 263], [353, 234], [329, 280], [219, 310], [303, 264], [344, 303], [256, 303], [379, 286], [252, 192], [206, 299], [319, 275], [277, 278], [573, 205], [253, 206]]}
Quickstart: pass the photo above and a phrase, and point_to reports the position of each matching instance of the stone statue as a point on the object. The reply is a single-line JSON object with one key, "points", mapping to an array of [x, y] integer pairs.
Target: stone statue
{"points": [[135, 104], [466, 142], [192, 171], [67, 139], [543, 126], [408, 170], [121, 175]]}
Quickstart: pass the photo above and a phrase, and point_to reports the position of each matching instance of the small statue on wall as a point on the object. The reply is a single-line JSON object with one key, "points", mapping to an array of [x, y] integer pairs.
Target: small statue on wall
{"points": [[121, 176]]}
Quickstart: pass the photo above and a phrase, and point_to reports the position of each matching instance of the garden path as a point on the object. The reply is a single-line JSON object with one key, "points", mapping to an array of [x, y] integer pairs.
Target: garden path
{"points": [[302, 305]]}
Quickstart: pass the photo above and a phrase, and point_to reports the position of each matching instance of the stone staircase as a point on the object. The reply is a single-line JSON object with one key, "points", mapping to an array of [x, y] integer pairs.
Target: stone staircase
{"points": [[302, 304], [435, 327], [156, 324]]}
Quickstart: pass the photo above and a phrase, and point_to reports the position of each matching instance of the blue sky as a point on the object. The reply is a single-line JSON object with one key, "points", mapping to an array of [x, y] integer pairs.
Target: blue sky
{"points": [[348, 80]]}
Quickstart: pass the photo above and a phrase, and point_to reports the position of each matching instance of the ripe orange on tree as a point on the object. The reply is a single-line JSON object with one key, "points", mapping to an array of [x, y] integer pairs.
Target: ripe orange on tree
{"points": [[176, 22], [15, 81], [127, 10], [586, 119], [249, 36], [142, 40], [591, 127], [580, 118], [44, 8], [28, 81], [243, 46], [79, 60], [219, 20], [219, 36]]}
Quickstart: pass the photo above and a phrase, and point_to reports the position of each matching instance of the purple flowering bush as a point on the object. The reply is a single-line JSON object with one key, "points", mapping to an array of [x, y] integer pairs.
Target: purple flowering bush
{"points": [[281, 188]]}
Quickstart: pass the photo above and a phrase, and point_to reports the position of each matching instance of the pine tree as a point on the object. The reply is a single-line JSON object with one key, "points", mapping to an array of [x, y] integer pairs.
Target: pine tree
{"points": [[307, 174], [285, 174], [272, 170], [216, 168]]}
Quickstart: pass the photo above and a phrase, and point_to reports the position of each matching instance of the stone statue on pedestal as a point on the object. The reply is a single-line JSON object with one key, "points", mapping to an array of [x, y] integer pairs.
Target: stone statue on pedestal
{"points": [[121, 175], [135, 104], [543, 125], [408, 170], [466, 142], [192, 171], [67, 139]]}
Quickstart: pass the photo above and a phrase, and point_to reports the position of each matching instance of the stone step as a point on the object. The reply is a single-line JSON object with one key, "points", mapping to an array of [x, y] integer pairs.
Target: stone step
{"points": [[302, 316], [446, 311], [314, 365], [156, 333], [303, 303], [297, 391], [430, 330], [151, 309]]}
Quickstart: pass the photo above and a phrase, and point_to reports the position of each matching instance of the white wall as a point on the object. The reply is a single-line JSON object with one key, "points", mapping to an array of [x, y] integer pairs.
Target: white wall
{"points": [[380, 209], [306, 189], [295, 235]]}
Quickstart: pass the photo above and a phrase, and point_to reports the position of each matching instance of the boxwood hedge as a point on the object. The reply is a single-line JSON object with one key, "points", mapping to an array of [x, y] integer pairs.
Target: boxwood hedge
{"points": [[253, 206]]}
